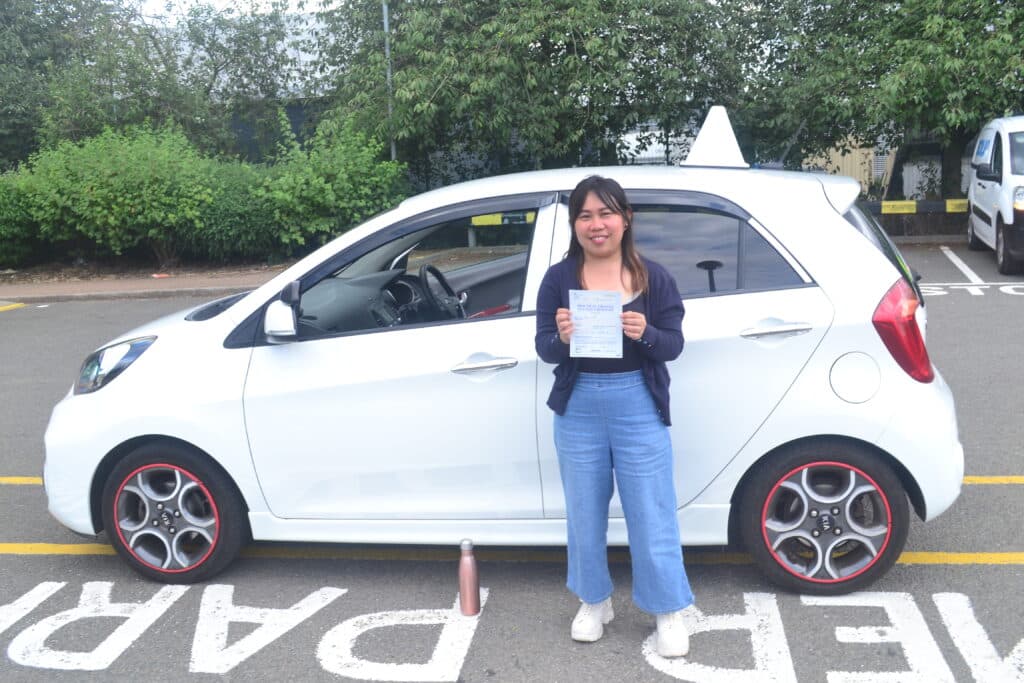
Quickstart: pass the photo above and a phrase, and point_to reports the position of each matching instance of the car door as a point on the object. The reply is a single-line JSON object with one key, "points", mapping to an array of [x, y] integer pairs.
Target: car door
{"points": [[753, 318], [987, 162], [422, 419]]}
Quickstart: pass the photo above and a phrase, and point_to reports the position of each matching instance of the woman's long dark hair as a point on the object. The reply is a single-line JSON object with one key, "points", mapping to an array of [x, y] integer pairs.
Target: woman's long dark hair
{"points": [[613, 196]]}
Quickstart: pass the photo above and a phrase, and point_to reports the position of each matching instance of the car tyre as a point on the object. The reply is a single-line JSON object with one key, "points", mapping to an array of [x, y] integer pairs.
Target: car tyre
{"points": [[824, 517], [973, 243], [1005, 263], [173, 515]]}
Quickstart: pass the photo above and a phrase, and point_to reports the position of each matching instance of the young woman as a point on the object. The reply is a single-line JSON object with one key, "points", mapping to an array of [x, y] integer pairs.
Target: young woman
{"points": [[612, 417]]}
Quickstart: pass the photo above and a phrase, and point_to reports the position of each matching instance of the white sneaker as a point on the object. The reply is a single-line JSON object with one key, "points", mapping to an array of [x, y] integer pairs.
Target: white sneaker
{"points": [[673, 640], [588, 625]]}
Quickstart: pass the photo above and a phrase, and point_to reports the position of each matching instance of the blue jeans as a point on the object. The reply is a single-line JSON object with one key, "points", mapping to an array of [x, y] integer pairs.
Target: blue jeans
{"points": [[611, 425]]}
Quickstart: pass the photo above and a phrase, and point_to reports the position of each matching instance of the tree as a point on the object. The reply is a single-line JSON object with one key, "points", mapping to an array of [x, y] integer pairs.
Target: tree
{"points": [[510, 85], [867, 71], [210, 72], [37, 39]]}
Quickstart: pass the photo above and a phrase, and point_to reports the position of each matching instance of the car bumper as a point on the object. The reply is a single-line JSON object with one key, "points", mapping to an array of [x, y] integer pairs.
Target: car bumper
{"points": [[931, 451], [70, 465], [1014, 236]]}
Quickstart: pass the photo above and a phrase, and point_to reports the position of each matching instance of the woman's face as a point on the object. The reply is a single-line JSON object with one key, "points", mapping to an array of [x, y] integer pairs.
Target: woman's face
{"points": [[599, 229]]}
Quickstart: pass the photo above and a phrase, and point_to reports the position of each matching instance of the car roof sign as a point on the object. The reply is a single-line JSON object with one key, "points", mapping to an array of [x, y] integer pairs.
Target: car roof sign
{"points": [[716, 143]]}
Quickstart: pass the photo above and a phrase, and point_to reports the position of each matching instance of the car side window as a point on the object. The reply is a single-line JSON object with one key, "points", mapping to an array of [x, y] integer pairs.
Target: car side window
{"points": [[997, 157], [468, 267], [710, 253], [1017, 153]]}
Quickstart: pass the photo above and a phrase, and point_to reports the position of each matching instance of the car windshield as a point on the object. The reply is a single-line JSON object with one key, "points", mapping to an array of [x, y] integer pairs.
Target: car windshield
{"points": [[1017, 153]]}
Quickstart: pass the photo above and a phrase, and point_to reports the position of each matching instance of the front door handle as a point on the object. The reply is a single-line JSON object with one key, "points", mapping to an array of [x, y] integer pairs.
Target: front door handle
{"points": [[774, 330], [470, 366]]}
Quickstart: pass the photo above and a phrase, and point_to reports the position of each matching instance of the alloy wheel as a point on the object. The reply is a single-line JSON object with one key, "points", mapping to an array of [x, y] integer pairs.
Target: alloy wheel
{"points": [[826, 522], [166, 518]]}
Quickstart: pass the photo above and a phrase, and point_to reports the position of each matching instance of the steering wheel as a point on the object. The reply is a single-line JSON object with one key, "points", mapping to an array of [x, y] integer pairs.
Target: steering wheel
{"points": [[449, 304]]}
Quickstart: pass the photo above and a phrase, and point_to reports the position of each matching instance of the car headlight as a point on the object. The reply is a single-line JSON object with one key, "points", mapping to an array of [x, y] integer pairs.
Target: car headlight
{"points": [[104, 365], [1018, 198]]}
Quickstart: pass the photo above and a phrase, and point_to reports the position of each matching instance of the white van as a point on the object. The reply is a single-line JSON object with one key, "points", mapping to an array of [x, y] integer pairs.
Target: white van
{"points": [[995, 193]]}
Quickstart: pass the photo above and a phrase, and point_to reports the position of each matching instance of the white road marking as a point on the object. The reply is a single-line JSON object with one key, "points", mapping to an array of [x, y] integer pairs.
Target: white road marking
{"points": [[974, 644], [335, 652], [941, 288], [908, 628], [211, 653], [964, 268], [762, 620], [760, 624], [29, 647], [13, 612]]}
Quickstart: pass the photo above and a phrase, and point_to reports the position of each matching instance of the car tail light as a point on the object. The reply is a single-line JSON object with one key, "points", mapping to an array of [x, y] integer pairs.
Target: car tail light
{"points": [[897, 326]]}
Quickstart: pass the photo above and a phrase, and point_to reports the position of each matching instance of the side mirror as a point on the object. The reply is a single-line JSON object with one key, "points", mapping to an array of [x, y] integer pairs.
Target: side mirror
{"points": [[280, 322]]}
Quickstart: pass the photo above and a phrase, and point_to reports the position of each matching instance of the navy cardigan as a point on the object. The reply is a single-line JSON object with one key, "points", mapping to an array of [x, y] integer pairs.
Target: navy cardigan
{"points": [[661, 342]]}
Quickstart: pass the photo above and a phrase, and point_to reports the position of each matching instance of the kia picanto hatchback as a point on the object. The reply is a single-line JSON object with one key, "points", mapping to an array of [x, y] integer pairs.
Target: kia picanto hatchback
{"points": [[386, 388]]}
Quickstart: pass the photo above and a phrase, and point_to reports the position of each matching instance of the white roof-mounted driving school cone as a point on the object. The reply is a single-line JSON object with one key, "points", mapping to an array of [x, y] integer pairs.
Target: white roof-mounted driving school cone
{"points": [[716, 143]]}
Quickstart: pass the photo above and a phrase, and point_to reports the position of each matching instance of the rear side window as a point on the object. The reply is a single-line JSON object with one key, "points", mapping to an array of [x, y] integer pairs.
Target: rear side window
{"points": [[1016, 153], [710, 253], [875, 233]]}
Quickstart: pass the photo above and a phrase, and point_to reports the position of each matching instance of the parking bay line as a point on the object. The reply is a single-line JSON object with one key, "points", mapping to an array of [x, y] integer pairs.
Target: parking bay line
{"points": [[503, 556], [21, 481], [961, 266]]}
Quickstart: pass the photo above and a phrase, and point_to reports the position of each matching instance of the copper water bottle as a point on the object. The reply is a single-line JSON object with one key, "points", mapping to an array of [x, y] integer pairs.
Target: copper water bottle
{"points": [[469, 581]]}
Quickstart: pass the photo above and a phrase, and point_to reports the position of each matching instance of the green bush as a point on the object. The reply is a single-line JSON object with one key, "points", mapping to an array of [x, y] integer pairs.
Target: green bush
{"points": [[317, 191], [150, 188], [119, 190], [235, 225], [17, 237]]}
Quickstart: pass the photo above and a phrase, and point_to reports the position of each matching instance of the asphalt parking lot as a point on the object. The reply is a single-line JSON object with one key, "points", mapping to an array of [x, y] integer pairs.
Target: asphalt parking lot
{"points": [[949, 611]]}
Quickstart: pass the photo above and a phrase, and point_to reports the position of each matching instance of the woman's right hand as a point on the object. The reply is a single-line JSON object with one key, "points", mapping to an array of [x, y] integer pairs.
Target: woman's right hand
{"points": [[563, 319]]}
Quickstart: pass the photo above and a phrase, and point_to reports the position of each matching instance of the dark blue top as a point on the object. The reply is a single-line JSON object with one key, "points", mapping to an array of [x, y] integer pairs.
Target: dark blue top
{"points": [[661, 342]]}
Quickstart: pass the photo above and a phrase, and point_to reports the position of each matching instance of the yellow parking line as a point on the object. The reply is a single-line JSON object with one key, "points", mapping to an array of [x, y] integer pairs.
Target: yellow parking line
{"points": [[55, 549], [21, 481], [911, 557], [994, 480], [10, 307], [616, 556]]}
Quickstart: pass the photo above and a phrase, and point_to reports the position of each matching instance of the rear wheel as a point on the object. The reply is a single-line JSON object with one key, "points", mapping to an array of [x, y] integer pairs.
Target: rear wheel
{"points": [[824, 518], [172, 515], [973, 243]]}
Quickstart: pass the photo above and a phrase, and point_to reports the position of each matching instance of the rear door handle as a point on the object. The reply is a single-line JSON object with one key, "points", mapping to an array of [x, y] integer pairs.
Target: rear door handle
{"points": [[471, 366], [775, 330]]}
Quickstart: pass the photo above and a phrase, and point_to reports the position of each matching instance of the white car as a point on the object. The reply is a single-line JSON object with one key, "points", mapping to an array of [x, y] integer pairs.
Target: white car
{"points": [[386, 388], [995, 193]]}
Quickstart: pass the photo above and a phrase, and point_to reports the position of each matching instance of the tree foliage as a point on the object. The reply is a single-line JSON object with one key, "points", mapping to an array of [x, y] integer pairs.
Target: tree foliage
{"points": [[529, 84], [865, 71]]}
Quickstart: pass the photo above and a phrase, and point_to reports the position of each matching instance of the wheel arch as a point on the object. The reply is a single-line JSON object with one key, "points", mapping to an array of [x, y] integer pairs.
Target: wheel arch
{"points": [[908, 481], [111, 459]]}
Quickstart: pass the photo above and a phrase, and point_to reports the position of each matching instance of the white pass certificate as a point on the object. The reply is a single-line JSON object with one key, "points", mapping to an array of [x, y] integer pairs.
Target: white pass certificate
{"points": [[596, 324]]}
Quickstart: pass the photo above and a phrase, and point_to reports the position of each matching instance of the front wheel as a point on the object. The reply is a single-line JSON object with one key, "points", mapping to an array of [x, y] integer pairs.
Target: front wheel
{"points": [[973, 243], [172, 515], [824, 518], [1006, 264]]}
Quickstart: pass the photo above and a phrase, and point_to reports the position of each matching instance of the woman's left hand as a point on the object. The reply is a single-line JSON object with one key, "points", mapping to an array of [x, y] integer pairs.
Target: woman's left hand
{"points": [[634, 324]]}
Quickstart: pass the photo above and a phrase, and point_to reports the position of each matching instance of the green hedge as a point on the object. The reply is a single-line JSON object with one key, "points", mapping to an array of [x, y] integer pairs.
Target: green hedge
{"points": [[17, 239], [150, 188]]}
